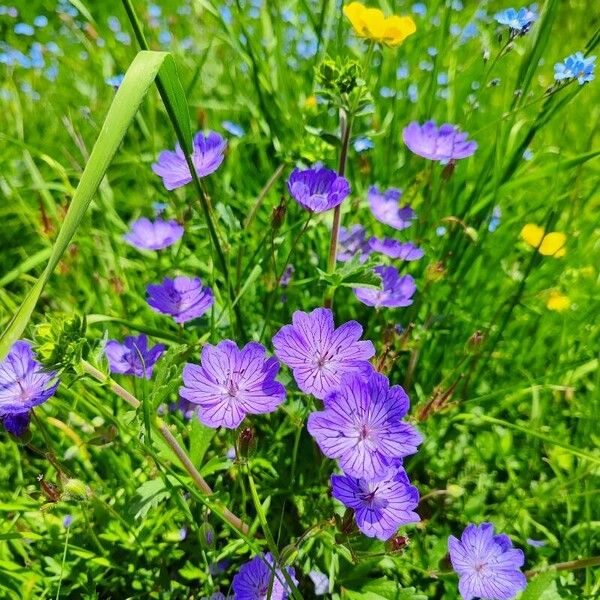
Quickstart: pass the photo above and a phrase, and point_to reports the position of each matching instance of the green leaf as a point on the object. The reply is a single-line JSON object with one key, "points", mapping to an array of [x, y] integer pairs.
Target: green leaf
{"points": [[541, 587], [200, 438], [139, 77], [149, 495]]}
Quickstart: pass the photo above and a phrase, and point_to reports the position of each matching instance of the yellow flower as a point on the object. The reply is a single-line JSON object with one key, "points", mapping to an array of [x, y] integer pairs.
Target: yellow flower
{"points": [[311, 102], [558, 302], [548, 244], [370, 23]]}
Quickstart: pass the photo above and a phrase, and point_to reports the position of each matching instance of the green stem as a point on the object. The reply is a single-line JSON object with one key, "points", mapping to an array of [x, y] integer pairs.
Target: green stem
{"points": [[345, 129], [204, 202], [268, 535], [168, 437], [582, 563], [64, 560]]}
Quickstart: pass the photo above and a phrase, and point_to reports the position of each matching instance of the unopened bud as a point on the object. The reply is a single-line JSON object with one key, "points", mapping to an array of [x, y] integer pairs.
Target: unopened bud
{"points": [[207, 535], [76, 489], [278, 216], [397, 543], [246, 442]]}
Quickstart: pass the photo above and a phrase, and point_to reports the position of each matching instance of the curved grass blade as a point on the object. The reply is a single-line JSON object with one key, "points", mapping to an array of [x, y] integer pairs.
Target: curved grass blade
{"points": [[139, 77]]}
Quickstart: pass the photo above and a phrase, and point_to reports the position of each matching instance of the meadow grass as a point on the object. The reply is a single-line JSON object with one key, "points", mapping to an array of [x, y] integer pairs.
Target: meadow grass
{"points": [[503, 388]]}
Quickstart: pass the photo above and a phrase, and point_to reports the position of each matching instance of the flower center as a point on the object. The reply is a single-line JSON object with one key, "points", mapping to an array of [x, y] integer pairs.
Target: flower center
{"points": [[232, 388]]}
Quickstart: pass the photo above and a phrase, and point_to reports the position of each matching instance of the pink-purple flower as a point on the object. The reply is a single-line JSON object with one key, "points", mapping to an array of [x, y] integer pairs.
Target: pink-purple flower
{"points": [[352, 241], [133, 356], [395, 249], [231, 383], [318, 189], [362, 426], [381, 505], [319, 354], [444, 143], [207, 155], [183, 298], [386, 208], [487, 565], [23, 384], [395, 291], [261, 579], [153, 235]]}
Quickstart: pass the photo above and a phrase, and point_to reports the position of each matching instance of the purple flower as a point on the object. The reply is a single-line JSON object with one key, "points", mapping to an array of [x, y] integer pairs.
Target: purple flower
{"points": [[319, 354], [361, 425], [395, 249], [67, 521], [395, 290], [286, 277], [133, 357], [232, 383], [318, 189], [23, 385], [207, 155], [259, 576], [320, 581], [385, 208], [487, 565], [148, 235], [444, 144], [380, 506], [535, 543], [353, 241], [184, 298]]}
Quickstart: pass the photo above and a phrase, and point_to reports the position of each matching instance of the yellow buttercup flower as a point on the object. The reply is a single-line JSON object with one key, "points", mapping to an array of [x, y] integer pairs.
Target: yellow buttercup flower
{"points": [[311, 102], [557, 301], [548, 244], [371, 23]]}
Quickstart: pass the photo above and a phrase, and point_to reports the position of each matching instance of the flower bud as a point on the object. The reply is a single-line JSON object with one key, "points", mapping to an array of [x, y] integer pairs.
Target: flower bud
{"points": [[397, 543], [76, 489], [278, 215], [207, 535], [246, 442]]}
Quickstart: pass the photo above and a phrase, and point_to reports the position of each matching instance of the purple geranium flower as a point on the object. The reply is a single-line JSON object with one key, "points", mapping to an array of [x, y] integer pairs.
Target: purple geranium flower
{"points": [[385, 208], [148, 235], [23, 385], [318, 189], [488, 566], [232, 383], [260, 576], [319, 354], [184, 298], [133, 357], [380, 506], [353, 241], [395, 290], [396, 249], [361, 425], [444, 144], [207, 155]]}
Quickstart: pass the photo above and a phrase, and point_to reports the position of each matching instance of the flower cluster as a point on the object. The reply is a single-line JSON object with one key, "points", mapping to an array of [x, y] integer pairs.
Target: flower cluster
{"points": [[577, 66]]}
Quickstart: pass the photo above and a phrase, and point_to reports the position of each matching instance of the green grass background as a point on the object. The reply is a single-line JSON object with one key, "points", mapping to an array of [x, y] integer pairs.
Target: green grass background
{"points": [[517, 443]]}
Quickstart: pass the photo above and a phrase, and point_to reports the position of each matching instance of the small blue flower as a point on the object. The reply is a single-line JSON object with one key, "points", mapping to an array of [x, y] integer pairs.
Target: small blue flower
{"points": [[432, 51], [40, 21], [442, 78], [576, 66], [115, 81], [402, 71], [413, 93], [495, 219], [419, 9], [386, 92], [233, 128], [362, 143], [24, 29], [469, 32], [165, 37], [123, 37], [114, 24], [528, 154], [426, 65], [519, 22]]}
